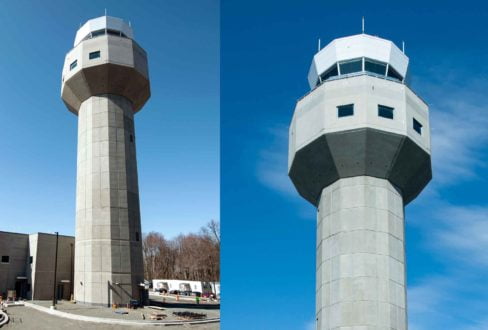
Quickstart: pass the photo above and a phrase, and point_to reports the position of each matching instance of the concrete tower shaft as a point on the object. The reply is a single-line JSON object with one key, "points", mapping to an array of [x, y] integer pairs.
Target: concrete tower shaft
{"points": [[105, 81], [359, 150]]}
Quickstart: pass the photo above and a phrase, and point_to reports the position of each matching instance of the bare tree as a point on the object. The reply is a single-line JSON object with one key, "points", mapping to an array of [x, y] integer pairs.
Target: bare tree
{"points": [[189, 257]]}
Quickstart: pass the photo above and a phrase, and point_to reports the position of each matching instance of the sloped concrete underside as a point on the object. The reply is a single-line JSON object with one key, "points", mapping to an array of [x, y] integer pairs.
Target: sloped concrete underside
{"points": [[360, 152]]}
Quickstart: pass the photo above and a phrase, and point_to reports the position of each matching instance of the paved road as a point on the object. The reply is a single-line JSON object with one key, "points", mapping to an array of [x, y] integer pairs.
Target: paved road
{"points": [[28, 318]]}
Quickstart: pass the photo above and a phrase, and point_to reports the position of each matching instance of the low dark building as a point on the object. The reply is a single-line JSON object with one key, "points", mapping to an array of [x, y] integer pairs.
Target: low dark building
{"points": [[27, 265]]}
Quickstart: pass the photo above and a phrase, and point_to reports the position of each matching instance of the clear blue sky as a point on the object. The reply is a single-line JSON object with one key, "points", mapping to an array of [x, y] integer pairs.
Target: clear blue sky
{"points": [[268, 232], [177, 130]]}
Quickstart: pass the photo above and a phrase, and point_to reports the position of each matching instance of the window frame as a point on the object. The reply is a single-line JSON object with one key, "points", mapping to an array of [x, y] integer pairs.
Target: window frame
{"points": [[368, 60], [5, 262], [353, 60], [94, 55], [386, 109], [73, 65], [343, 108], [417, 126]]}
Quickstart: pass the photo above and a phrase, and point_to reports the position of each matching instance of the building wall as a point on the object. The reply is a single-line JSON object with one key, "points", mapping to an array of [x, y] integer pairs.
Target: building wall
{"points": [[16, 246], [37, 277], [44, 266]]}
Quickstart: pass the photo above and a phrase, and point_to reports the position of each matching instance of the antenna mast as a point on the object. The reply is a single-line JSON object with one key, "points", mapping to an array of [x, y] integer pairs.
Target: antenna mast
{"points": [[362, 24], [319, 45]]}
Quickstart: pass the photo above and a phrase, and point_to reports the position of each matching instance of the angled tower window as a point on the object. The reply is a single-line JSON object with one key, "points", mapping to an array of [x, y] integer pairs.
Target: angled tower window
{"points": [[73, 65], [345, 110], [5, 259], [385, 112], [393, 74], [417, 126], [93, 55], [351, 66], [98, 33], [331, 72], [374, 67]]}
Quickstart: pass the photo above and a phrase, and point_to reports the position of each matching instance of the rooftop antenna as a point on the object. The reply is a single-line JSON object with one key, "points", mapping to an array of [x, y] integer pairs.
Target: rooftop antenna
{"points": [[105, 11], [403, 47], [129, 24], [319, 45], [362, 24]]}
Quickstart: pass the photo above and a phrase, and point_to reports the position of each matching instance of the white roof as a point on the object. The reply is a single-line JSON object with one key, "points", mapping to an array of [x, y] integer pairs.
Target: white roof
{"points": [[360, 45], [100, 23]]}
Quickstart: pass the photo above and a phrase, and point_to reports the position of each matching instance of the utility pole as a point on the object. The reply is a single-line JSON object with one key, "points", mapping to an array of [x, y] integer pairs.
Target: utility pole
{"points": [[55, 270]]}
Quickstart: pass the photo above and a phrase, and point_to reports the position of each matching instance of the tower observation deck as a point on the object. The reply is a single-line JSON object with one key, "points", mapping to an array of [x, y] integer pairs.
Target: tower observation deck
{"points": [[105, 81], [359, 150]]}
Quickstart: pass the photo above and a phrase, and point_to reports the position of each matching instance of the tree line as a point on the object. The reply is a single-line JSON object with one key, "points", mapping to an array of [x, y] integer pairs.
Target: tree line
{"points": [[193, 257]]}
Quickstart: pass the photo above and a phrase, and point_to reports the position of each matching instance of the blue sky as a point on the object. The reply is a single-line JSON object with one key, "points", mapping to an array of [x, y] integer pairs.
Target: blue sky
{"points": [[177, 130], [268, 231]]}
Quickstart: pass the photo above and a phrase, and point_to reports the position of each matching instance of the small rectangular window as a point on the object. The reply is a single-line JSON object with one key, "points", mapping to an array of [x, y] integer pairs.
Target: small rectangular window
{"points": [[73, 65], [351, 66], [137, 236], [5, 259], [30, 260], [93, 55], [385, 112], [417, 126], [345, 110]]}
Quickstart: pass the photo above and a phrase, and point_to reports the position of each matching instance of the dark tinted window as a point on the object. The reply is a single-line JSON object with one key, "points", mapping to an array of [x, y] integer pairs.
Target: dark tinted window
{"points": [[93, 55], [393, 74], [73, 65], [375, 67], [417, 126], [98, 33], [385, 112], [30, 259], [5, 259], [345, 110], [113, 32], [332, 72], [351, 66]]}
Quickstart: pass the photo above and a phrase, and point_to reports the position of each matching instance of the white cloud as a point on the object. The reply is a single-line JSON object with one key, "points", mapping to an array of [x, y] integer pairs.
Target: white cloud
{"points": [[459, 124], [310, 325], [447, 302], [462, 233], [272, 164]]}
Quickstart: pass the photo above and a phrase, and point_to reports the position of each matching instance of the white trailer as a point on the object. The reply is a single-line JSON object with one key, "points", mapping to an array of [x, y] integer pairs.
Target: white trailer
{"points": [[186, 287]]}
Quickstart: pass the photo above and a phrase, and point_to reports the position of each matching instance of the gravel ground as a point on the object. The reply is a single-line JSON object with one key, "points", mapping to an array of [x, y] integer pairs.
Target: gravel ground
{"points": [[27, 318]]}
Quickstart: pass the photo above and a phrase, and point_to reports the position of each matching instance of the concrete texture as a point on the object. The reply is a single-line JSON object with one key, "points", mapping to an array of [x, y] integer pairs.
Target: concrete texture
{"points": [[29, 318], [360, 170], [105, 92], [121, 69], [363, 151], [16, 246], [108, 225], [43, 263], [324, 147], [133, 317], [35, 280], [361, 256]]}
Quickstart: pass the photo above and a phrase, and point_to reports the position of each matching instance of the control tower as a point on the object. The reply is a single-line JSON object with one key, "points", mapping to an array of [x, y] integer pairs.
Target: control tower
{"points": [[359, 150], [105, 82]]}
